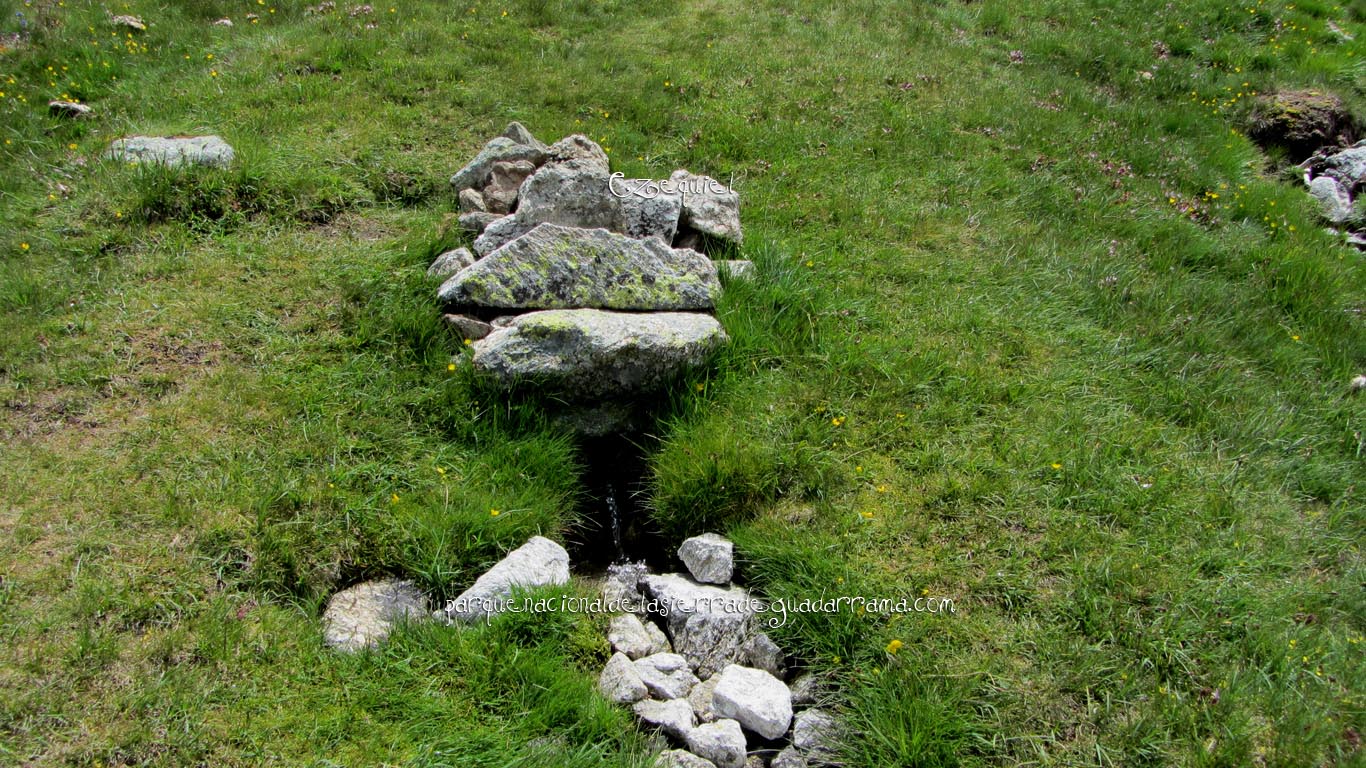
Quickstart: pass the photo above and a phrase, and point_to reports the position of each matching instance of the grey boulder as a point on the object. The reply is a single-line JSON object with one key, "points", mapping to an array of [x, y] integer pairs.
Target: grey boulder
{"points": [[680, 758], [1334, 201], [722, 742], [450, 262], [466, 327], [627, 635], [499, 149], [538, 563], [619, 682], [1348, 166], [591, 354], [708, 625], [709, 206], [173, 151], [363, 615], [710, 558], [789, 758], [814, 734], [504, 180], [757, 700], [519, 133], [666, 675], [559, 267], [761, 652], [478, 222]]}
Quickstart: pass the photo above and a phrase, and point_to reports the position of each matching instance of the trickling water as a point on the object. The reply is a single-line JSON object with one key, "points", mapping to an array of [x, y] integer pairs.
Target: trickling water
{"points": [[614, 525]]}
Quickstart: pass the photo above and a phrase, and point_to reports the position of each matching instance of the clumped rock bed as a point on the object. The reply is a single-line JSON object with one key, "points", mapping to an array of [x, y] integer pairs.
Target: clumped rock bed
{"points": [[690, 660], [581, 283]]}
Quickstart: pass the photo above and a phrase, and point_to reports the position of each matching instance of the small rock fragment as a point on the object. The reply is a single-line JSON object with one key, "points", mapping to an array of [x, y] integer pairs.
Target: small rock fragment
{"points": [[680, 758], [69, 109], [700, 697], [539, 562], [789, 758], [477, 222], [619, 682], [471, 200], [450, 262], [709, 558], [762, 653], [627, 635], [129, 22], [722, 742], [673, 717], [466, 327], [814, 733], [666, 675], [505, 179]]}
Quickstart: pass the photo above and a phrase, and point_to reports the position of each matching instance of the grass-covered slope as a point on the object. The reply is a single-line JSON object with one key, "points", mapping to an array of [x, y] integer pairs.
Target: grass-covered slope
{"points": [[1036, 329]]}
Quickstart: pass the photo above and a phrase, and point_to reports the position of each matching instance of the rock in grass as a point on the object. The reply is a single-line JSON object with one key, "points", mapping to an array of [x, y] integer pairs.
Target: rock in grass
{"points": [[736, 269], [666, 675], [363, 615], [466, 327], [499, 149], [589, 354], [1347, 166], [1358, 384], [679, 758], [1301, 122], [477, 222], [619, 682], [129, 22], [708, 625], [69, 109], [627, 635], [710, 558], [450, 262], [814, 734], [1335, 204], [789, 758], [722, 742], [673, 717], [538, 563], [757, 700], [709, 206], [173, 151], [558, 267]]}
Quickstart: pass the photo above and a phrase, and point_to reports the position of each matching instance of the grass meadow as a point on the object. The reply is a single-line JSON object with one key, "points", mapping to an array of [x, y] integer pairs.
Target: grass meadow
{"points": [[1035, 328]]}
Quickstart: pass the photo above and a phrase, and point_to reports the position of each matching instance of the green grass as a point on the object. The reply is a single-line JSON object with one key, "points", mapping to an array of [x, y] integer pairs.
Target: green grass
{"points": [[1048, 337]]}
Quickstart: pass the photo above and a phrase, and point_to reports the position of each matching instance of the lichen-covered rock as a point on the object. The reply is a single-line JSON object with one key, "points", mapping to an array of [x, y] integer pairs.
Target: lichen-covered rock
{"points": [[363, 615], [499, 149], [722, 742], [627, 635], [589, 354], [1301, 122], [709, 206], [619, 682], [450, 262], [173, 151], [757, 700], [538, 563], [558, 267], [710, 558], [708, 625], [673, 717], [666, 675]]}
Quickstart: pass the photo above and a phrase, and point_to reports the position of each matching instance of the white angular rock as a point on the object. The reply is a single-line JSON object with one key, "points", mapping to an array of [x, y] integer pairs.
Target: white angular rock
{"points": [[789, 758], [709, 206], [129, 22], [707, 624], [450, 262], [173, 151], [590, 354], [619, 682], [538, 563], [722, 742], [814, 734], [700, 697], [710, 558], [736, 269], [673, 717], [1334, 201], [680, 758], [519, 133], [757, 700], [628, 635], [499, 149], [69, 109], [560, 267], [666, 675], [363, 615]]}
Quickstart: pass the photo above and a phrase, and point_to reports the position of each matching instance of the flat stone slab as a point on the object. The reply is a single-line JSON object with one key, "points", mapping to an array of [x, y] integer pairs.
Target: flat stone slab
{"points": [[559, 267], [173, 151], [591, 354], [363, 615]]}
